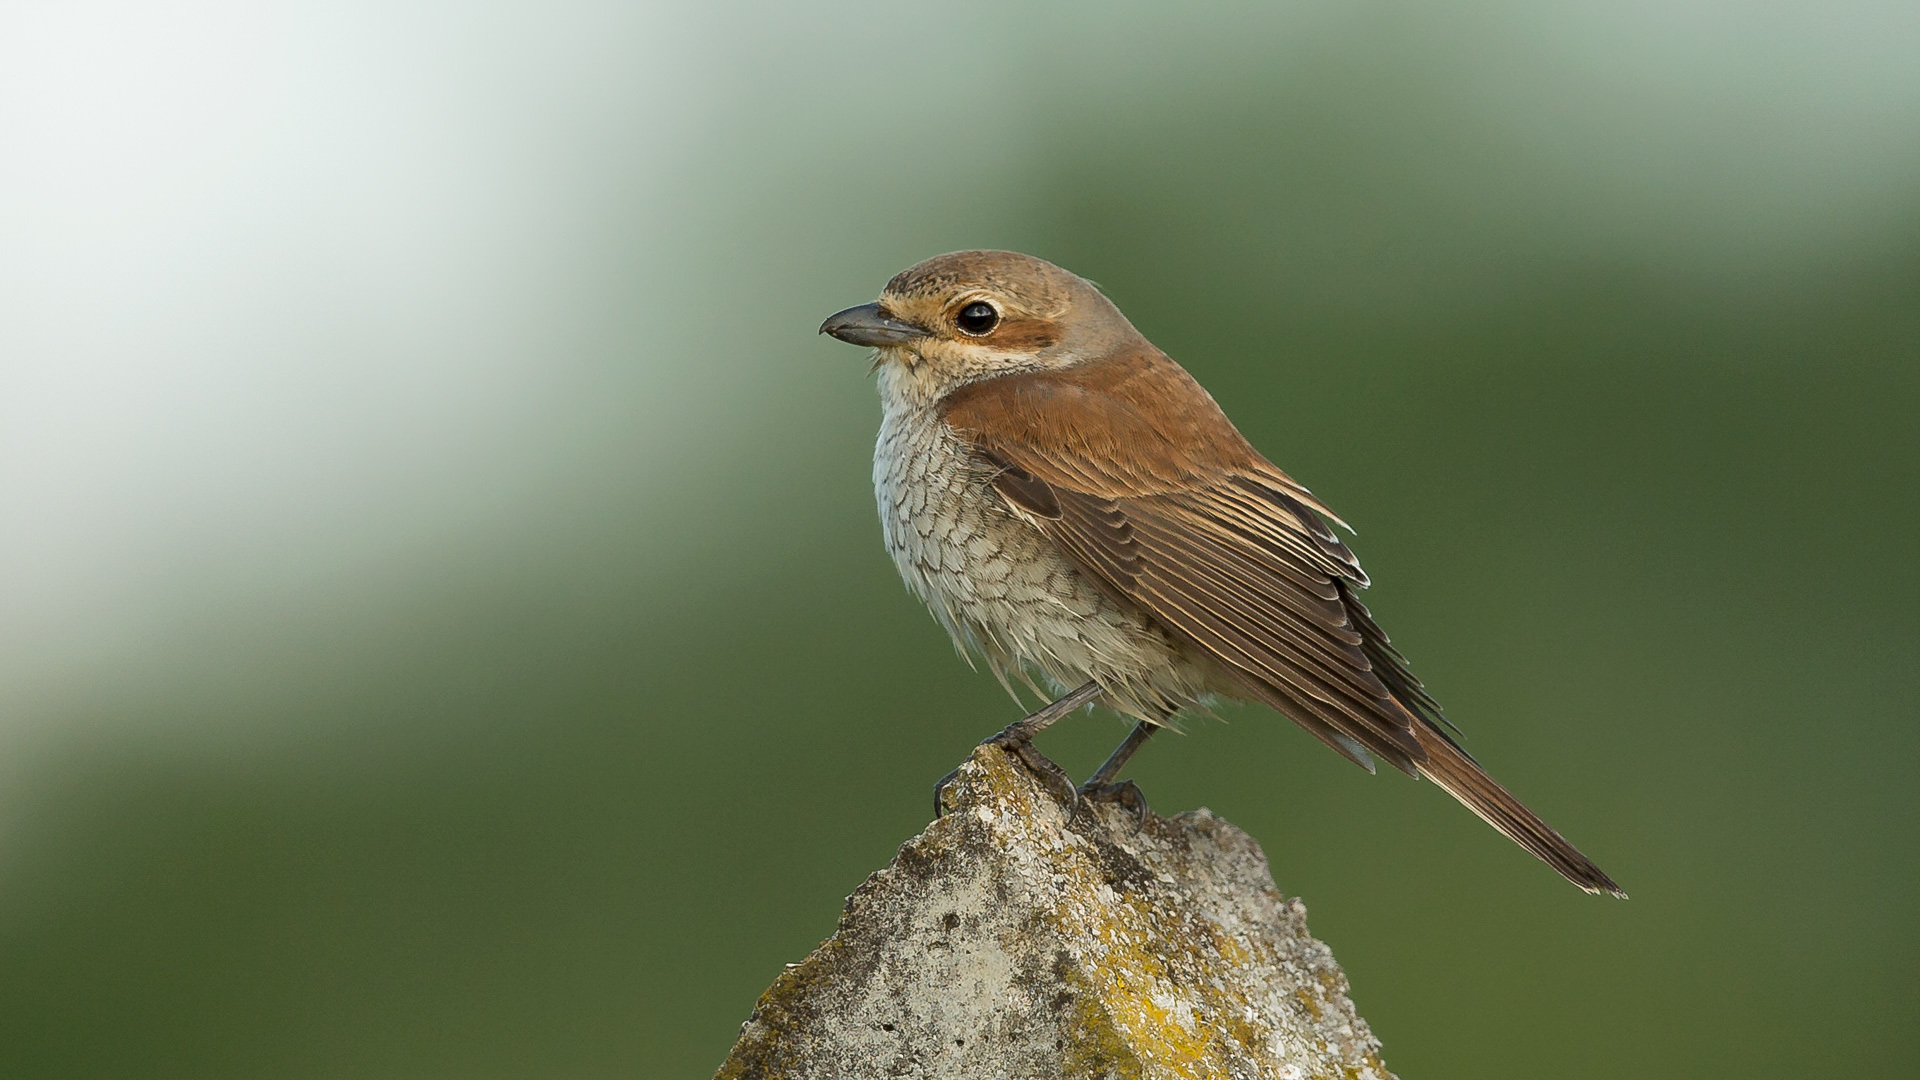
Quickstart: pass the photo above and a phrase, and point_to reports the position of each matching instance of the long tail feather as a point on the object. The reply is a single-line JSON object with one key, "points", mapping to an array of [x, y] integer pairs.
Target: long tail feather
{"points": [[1450, 767]]}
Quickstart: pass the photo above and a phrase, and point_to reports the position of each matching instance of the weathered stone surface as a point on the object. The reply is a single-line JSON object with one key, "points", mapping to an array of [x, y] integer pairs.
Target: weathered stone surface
{"points": [[1007, 942]]}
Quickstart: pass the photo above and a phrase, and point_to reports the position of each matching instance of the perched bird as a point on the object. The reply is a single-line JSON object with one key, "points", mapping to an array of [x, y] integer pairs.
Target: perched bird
{"points": [[1071, 504]]}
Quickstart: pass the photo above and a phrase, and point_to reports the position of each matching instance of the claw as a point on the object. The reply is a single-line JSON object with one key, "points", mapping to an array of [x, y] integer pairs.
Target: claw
{"points": [[1017, 739], [940, 787], [1051, 776], [1126, 793]]}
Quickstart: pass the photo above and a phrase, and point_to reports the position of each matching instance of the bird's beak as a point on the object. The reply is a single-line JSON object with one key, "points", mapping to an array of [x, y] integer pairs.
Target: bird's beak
{"points": [[869, 324]]}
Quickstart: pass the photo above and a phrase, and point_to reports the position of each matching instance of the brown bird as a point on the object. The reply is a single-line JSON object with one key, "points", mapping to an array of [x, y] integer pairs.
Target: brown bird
{"points": [[1071, 504]]}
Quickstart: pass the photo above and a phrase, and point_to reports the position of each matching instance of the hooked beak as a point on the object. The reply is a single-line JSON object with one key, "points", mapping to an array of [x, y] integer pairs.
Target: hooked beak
{"points": [[869, 324]]}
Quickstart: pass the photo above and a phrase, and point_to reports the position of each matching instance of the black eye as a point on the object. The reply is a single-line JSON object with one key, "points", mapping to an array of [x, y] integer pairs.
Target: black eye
{"points": [[977, 318]]}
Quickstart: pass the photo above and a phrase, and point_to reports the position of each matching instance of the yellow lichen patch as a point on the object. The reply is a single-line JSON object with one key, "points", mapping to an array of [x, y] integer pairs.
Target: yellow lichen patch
{"points": [[1131, 966]]}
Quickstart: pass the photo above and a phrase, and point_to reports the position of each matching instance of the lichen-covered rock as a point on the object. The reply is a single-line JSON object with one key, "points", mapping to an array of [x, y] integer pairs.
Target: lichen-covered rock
{"points": [[1008, 941]]}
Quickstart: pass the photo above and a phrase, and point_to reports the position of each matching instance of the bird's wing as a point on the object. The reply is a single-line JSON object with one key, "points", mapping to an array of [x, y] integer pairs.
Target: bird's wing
{"points": [[1131, 468]]}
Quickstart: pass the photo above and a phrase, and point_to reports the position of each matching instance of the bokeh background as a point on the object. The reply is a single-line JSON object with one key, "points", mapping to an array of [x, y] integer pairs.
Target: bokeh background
{"points": [[443, 626]]}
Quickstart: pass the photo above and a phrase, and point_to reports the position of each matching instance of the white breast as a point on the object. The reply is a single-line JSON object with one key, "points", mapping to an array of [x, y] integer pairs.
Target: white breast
{"points": [[999, 586]]}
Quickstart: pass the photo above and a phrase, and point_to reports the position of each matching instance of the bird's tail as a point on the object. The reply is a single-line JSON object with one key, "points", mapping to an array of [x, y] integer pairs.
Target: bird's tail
{"points": [[1451, 768]]}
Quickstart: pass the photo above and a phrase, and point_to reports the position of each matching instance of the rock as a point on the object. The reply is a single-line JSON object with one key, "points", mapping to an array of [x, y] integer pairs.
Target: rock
{"points": [[1008, 941]]}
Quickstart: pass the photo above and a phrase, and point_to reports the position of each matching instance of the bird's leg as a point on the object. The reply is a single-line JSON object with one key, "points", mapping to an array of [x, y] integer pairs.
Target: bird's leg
{"points": [[1121, 755], [1017, 739], [1100, 786]]}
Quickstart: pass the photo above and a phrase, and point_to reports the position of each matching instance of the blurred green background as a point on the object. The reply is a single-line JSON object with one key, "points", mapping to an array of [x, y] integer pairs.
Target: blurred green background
{"points": [[444, 629]]}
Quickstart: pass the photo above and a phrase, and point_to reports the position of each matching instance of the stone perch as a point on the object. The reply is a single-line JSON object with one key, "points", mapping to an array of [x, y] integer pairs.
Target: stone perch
{"points": [[1008, 942]]}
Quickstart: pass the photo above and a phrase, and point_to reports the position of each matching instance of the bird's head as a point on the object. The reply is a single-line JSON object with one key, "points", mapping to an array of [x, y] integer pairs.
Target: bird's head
{"points": [[971, 315]]}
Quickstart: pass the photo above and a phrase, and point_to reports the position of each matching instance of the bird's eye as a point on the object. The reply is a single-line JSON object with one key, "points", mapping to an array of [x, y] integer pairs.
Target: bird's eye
{"points": [[977, 318]]}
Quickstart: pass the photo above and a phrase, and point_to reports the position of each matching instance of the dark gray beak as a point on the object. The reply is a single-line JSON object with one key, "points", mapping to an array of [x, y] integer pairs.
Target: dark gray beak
{"points": [[869, 324]]}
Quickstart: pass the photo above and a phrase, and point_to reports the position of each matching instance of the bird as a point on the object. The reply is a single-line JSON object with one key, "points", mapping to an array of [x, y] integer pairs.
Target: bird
{"points": [[1074, 508]]}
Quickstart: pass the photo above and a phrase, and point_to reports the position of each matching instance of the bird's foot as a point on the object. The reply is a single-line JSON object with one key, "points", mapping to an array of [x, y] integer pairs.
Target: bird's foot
{"points": [[1051, 776], [1125, 794], [1017, 739]]}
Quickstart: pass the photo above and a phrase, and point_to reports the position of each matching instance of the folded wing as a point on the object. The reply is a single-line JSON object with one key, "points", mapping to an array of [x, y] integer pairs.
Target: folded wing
{"points": [[1130, 467]]}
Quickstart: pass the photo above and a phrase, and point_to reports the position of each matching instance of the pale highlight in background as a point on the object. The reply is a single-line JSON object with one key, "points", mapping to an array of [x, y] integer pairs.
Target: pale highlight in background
{"points": [[297, 299]]}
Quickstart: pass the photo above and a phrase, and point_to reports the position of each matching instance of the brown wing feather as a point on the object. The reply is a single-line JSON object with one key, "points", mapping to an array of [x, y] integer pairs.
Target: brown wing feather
{"points": [[1131, 467], [1133, 470]]}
